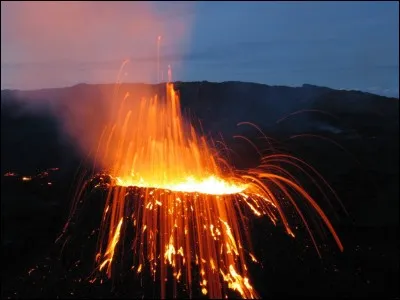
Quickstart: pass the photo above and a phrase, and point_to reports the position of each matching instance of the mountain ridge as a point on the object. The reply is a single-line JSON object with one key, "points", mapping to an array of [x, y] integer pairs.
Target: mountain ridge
{"points": [[304, 85]]}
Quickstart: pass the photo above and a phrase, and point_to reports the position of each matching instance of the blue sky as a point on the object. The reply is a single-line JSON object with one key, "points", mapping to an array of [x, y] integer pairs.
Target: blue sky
{"points": [[350, 45]]}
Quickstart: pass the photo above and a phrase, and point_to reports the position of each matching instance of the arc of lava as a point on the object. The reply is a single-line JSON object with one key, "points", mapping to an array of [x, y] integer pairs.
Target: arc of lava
{"points": [[184, 210]]}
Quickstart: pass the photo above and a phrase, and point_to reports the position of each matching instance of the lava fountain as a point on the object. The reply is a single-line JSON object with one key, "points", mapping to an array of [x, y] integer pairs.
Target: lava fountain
{"points": [[190, 207]]}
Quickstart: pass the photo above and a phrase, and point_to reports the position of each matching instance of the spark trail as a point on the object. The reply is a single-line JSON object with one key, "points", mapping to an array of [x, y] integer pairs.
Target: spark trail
{"points": [[190, 207], [158, 58]]}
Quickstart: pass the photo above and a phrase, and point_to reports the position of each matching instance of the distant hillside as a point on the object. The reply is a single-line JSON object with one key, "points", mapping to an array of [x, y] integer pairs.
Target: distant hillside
{"points": [[220, 106]]}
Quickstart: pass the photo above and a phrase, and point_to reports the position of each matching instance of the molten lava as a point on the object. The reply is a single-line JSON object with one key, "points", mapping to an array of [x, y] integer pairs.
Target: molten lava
{"points": [[210, 185], [191, 210], [151, 145]]}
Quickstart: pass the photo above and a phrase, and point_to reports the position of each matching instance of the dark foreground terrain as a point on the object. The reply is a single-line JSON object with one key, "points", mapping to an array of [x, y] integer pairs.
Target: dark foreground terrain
{"points": [[360, 161]]}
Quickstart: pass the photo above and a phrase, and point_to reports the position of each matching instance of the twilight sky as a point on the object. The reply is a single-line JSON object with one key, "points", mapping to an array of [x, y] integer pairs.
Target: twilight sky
{"points": [[350, 45]]}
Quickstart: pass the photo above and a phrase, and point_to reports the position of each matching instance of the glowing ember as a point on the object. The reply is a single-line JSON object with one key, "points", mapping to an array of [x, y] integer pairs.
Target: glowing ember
{"points": [[187, 210], [10, 174]]}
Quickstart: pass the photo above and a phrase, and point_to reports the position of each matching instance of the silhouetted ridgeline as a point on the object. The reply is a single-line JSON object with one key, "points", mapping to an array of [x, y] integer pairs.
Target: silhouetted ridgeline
{"points": [[222, 105]]}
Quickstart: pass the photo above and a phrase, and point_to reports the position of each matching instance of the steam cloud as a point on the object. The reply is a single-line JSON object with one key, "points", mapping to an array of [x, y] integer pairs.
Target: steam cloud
{"points": [[82, 41]]}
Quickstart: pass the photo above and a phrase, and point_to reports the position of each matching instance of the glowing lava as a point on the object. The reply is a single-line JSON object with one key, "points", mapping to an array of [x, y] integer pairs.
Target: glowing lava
{"points": [[191, 207], [210, 185]]}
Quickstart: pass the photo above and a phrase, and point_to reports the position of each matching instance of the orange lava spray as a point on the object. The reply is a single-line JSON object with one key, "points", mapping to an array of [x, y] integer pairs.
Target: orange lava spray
{"points": [[192, 206]]}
